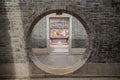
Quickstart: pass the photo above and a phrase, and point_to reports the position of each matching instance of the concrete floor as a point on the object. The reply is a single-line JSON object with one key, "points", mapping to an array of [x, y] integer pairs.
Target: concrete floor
{"points": [[76, 79], [59, 61], [59, 57], [90, 71]]}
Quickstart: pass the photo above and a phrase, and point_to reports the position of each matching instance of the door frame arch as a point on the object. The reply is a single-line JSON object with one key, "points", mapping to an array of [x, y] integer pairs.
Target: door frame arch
{"points": [[52, 70]]}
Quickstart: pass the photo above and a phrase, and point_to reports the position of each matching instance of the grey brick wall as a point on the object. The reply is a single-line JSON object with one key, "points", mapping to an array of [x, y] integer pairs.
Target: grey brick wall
{"points": [[17, 19], [79, 35], [39, 34], [5, 42], [105, 29]]}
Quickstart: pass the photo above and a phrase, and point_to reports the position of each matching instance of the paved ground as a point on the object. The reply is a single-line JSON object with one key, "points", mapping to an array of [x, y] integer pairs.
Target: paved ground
{"points": [[90, 71], [59, 49], [59, 57], [59, 61], [78, 79]]}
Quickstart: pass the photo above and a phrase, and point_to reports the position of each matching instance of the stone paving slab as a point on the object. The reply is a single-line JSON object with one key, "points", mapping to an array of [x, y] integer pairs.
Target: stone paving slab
{"points": [[70, 79], [59, 60]]}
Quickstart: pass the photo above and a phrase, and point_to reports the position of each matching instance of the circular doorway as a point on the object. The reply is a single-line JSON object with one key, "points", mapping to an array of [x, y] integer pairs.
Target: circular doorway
{"points": [[60, 41]]}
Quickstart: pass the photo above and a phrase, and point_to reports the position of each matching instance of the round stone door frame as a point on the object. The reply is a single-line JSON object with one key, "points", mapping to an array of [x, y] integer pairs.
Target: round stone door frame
{"points": [[50, 69]]}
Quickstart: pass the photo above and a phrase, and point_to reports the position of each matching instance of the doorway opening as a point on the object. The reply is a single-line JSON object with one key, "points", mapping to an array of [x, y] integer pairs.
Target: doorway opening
{"points": [[59, 33], [58, 42]]}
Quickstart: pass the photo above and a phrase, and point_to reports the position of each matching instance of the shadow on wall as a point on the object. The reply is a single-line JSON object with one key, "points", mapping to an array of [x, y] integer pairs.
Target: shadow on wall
{"points": [[6, 56]]}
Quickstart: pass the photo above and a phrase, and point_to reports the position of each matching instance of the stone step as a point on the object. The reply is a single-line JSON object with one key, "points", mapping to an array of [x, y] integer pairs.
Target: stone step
{"points": [[76, 78], [59, 49]]}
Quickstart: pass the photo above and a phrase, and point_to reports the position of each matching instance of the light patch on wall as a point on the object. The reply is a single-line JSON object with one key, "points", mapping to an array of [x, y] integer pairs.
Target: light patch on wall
{"points": [[18, 43]]}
